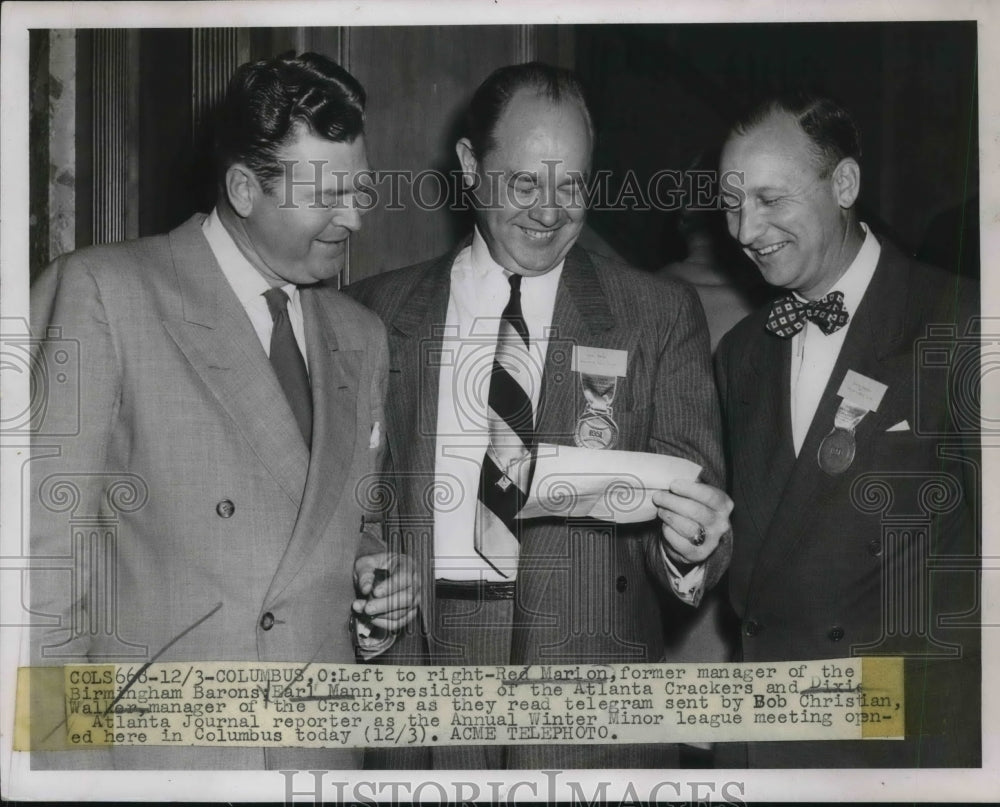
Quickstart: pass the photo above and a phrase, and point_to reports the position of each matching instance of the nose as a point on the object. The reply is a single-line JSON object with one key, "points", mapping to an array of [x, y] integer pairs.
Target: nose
{"points": [[546, 210], [348, 217], [748, 224]]}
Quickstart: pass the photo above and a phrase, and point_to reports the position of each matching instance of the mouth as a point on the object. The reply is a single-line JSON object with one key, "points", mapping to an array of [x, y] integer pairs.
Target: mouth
{"points": [[541, 236], [771, 249], [331, 243]]}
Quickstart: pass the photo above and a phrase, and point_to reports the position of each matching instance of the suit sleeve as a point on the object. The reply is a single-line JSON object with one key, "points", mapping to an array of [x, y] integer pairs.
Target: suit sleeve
{"points": [[72, 426], [686, 420], [721, 366]]}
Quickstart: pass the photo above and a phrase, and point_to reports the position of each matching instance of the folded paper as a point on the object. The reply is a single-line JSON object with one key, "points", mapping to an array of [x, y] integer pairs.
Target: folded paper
{"points": [[618, 486]]}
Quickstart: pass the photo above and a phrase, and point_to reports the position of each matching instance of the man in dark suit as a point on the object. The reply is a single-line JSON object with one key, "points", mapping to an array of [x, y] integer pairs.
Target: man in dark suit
{"points": [[853, 463], [517, 338], [230, 408]]}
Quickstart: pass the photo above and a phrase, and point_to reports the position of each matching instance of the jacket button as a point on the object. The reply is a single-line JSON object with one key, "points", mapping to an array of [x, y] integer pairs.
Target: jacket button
{"points": [[621, 583], [267, 621], [752, 627], [875, 547], [225, 508], [836, 633]]}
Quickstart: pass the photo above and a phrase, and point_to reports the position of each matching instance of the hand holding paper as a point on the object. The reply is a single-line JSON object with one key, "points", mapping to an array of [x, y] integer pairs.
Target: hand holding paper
{"points": [[572, 482], [695, 516]]}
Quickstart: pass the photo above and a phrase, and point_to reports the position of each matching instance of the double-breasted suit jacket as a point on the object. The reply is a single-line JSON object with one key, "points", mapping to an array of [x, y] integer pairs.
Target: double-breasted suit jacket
{"points": [[231, 540], [586, 592], [881, 558]]}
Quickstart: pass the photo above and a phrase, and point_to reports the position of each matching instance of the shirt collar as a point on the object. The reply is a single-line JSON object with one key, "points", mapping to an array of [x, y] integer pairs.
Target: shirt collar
{"points": [[482, 265], [854, 282], [248, 284]]}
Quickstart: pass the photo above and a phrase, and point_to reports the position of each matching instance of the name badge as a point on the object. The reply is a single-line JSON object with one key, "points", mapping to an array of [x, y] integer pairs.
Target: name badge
{"points": [[599, 369], [859, 395], [599, 361], [861, 391]]}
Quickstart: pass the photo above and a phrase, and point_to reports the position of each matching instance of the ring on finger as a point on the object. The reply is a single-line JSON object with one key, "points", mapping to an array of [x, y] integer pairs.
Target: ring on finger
{"points": [[699, 539]]}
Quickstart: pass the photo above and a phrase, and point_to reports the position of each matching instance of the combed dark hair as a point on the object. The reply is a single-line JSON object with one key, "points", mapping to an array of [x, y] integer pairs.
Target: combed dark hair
{"points": [[268, 100], [830, 128], [495, 93]]}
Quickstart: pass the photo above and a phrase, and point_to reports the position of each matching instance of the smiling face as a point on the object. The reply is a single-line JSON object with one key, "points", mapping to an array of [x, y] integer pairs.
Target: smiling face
{"points": [[795, 224], [531, 204], [297, 231]]}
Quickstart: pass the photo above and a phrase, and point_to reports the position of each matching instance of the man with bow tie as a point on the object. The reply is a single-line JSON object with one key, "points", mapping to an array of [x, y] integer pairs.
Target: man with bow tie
{"points": [[852, 461]]}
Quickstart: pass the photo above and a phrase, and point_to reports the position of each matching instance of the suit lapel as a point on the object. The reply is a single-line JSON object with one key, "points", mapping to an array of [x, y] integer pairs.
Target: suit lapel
{"points": [[415, 337], [335, 379], [581, 317], [416, 333], [217, 338], [875, 334], [764, 401]]}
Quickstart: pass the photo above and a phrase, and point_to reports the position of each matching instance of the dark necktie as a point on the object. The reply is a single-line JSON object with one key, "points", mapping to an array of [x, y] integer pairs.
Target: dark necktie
{"points": [[507, 466], [288, 364], [789, 314]]}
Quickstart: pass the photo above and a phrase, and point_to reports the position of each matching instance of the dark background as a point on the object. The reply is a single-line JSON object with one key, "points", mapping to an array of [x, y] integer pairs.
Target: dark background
{"points": [[661, 94]]}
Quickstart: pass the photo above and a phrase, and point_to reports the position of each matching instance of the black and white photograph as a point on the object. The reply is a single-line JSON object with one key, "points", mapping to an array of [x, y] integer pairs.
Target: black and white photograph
{"points": [[412, 341]]}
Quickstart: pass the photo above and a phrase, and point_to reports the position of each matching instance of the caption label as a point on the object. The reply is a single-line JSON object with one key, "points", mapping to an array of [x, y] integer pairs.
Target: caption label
{"points": [[349, 706]]}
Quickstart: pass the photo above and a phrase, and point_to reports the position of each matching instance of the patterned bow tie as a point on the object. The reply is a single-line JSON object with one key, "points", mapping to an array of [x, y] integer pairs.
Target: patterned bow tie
{"points": [[789, 314]]}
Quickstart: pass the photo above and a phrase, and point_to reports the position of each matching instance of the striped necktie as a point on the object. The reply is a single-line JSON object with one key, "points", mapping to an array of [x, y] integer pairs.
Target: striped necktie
{"points": [[507, 466]]}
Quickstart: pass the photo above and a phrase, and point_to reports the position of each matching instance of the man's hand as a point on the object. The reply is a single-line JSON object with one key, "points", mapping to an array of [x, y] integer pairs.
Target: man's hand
{"points": [[392, 603], [694, 518]]}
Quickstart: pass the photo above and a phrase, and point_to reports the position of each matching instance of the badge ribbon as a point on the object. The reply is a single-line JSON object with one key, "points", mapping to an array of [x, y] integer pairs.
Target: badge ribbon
{"points": [[859, 396], [836, 452], [596, 427]]}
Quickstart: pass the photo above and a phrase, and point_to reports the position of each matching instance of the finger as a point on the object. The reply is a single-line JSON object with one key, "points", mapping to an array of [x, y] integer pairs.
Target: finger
{"points": [[387, 605], [682, 525], [391, 611], [707, 495], [396, 623], [394, 585], [683, 546], [686, 508], [396, 582], [679, 547], [364, 571]]}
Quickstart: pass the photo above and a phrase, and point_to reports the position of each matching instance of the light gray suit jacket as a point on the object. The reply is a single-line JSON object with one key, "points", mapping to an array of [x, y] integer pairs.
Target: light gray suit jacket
{"points": [[174, 494]]}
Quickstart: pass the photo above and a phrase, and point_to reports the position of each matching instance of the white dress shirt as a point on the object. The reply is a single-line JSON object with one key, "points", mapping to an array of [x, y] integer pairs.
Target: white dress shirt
{"points": [[478, 295], [815, 353], [250, 285]]}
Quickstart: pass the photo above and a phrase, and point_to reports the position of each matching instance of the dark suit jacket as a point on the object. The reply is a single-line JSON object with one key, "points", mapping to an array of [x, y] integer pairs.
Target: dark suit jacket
{"points": [[583, 595], [183, 441], [817, 556]]}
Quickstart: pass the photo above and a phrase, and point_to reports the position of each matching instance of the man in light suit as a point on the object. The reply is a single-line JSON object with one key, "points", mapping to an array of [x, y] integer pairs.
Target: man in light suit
{"points": [[230, 415], [515, 302], [853, 461]]}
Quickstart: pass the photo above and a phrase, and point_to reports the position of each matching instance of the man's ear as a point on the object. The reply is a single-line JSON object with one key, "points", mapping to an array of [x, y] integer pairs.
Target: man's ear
{"points": [[847, 182], [241, 189], [467, 159]]}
